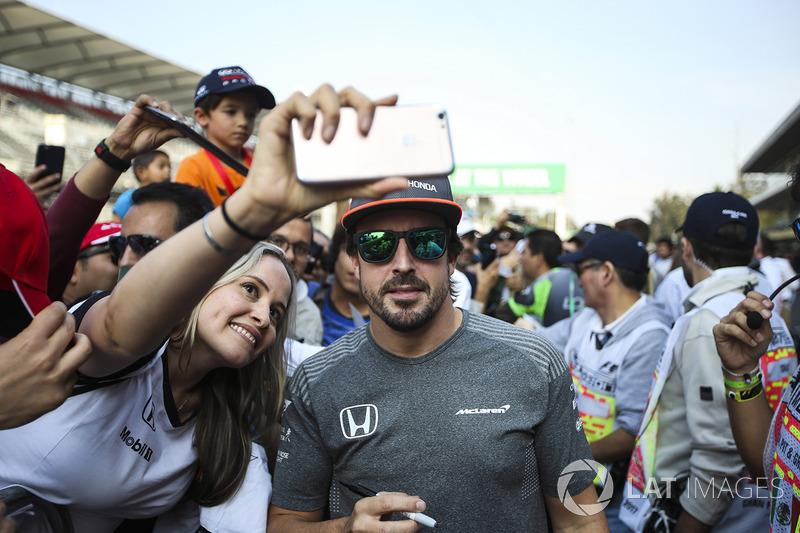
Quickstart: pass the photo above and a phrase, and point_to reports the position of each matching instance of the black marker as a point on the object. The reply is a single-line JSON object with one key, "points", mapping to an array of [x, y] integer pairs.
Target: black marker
{"points": [[364, 492]]}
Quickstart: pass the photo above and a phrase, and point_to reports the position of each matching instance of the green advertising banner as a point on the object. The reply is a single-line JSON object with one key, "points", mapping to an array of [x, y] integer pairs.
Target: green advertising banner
{"points": [[509, 179]]}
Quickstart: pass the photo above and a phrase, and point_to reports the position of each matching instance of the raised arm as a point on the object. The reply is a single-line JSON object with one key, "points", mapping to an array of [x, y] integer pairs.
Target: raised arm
{"points": [[739, 349], [79, 204], [169, 281]]}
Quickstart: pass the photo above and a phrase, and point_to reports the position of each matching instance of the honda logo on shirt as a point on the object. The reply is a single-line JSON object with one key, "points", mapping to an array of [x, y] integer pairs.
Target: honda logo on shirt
{"points": [[359, 420], [148, 413]]}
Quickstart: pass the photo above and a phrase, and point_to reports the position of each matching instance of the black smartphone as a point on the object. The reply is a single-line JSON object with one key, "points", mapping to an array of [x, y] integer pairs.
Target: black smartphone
{"points": [[187, 130], [52, 156], [488, 254], [516, 219], [314, 256]]}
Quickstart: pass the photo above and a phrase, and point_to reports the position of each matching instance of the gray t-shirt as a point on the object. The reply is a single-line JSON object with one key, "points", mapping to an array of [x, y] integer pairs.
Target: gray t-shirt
{"points": [[478, 427]]}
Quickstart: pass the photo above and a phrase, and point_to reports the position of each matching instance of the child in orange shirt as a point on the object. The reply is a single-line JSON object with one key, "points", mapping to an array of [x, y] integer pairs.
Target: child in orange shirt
{"points": [[226, 104]]}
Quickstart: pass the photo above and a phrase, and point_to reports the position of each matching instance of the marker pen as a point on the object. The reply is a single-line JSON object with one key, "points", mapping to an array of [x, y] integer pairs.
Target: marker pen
{"points": [[364, 492]]}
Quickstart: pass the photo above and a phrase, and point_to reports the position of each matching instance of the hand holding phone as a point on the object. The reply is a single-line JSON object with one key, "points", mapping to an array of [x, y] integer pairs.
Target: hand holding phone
{"points": [[201, 140], [52, 157], [406, 141], [45, 178]]}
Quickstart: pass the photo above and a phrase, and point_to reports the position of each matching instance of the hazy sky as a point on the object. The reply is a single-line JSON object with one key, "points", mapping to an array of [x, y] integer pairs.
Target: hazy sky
{"points": [[634, 97]]}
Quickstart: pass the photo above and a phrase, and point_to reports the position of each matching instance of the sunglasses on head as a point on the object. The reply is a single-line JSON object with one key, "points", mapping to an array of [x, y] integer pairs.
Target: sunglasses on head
{"points": [[379, 246], [140, 244]]}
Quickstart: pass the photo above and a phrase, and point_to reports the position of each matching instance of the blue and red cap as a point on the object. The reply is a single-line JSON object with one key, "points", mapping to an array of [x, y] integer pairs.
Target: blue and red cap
{"points": [[228, 79]]}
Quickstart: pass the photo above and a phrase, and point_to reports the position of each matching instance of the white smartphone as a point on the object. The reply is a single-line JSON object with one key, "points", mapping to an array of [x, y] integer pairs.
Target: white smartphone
{"points": [[408, 141]]}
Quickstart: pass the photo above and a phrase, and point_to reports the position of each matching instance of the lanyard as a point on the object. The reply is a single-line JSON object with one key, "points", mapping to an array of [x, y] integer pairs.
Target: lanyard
{"points": [[221, 170]]}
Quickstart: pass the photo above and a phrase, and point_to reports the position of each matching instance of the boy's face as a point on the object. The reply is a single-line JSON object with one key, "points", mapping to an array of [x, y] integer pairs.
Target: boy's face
{"points": [[157, 171], [231, 123]]}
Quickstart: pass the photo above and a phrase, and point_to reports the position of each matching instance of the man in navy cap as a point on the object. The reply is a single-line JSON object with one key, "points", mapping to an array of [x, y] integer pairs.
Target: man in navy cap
{"points": [[686, 468], [474, 417], [612, 347]]}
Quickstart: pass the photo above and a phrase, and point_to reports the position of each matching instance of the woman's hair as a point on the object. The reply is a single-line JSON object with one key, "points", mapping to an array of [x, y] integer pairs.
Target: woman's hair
{"points": [[238, 405]]}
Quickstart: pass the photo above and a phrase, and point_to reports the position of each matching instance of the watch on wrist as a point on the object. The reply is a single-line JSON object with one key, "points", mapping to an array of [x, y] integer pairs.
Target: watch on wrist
{"points": [[105, 155]]}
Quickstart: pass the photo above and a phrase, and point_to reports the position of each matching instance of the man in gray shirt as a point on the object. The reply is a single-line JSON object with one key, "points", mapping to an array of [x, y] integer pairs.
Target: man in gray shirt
{"points": [[475, 416]]}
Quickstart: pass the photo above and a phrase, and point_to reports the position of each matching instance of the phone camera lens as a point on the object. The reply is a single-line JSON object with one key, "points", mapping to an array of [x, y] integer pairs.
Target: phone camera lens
{"points": [[441, 115]]}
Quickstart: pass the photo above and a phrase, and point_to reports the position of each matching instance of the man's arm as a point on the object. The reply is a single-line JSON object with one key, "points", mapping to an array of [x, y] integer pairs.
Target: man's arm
{"points": [[77, 207], [689, 524], [739, 349], [301, 522], [616, 446], [368, 516], [565, 521]]}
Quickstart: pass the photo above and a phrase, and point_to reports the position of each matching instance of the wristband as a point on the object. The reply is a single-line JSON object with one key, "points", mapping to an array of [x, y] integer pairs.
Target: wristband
{"points": [[105, 155], [746, 395], [241, 231], [211, 240], [746, 384], [746, 375]]}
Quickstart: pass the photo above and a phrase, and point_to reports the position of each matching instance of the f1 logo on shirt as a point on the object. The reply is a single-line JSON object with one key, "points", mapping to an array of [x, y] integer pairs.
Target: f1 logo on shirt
{"points": [[359, 420]]}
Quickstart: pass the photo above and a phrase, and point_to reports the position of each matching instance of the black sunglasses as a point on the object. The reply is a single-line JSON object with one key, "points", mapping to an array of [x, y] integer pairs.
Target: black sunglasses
{"points": [[141, 244], [379, 246], [86, 254]]}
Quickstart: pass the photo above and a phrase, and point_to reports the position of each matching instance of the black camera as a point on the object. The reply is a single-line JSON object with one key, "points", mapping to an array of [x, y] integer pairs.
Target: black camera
{"points": [[516, 219], [314, 256], [488, 254]]}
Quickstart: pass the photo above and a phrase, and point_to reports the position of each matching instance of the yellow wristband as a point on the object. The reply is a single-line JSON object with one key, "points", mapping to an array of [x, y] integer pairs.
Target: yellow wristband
{"points": [[745, 395], [750, 381]]}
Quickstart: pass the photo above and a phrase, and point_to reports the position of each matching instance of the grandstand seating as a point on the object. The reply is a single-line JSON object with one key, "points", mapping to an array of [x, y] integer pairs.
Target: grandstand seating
{"points": [[22, 126]]}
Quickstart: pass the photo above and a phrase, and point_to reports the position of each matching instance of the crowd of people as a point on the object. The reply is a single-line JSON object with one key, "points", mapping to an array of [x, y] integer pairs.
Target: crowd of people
{"points": [[211, 361]]}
